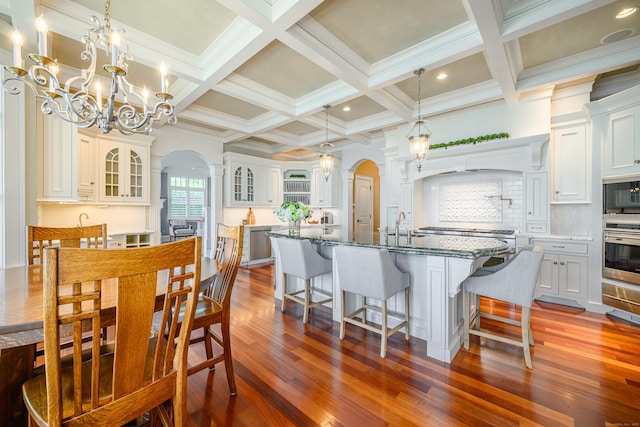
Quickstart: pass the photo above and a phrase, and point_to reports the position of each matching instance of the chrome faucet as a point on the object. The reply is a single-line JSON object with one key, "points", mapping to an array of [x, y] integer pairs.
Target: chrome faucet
{"points": [[397, 230], [80, 218]]}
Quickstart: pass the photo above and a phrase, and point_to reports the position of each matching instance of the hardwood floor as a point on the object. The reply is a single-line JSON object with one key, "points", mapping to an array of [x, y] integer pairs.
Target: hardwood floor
{"points": [[586, 372]]}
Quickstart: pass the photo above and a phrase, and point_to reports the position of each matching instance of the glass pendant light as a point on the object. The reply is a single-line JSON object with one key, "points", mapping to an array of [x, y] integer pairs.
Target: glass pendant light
{"points": [[419, 135], [326, 158]]}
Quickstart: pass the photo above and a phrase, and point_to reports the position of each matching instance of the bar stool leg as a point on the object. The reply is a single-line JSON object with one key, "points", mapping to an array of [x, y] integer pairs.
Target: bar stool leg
{"points": [[307, 299], [383, 344], [342, 311], [284, 291], [465, 316], [406, 314]]}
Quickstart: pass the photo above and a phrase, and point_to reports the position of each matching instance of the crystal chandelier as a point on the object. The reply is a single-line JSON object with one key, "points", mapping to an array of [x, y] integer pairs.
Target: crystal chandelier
{"points": [[72, 101], [419, 134], [326, 158]]}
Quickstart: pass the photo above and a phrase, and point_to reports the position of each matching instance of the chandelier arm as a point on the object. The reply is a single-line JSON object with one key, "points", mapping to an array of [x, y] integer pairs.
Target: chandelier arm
{"points": [[79, 109], [15, 89], [40, 75], [87, 74]]}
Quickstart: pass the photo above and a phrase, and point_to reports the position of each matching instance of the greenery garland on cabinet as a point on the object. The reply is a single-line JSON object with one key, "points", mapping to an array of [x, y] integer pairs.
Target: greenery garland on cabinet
{"points": [[474, 141]]}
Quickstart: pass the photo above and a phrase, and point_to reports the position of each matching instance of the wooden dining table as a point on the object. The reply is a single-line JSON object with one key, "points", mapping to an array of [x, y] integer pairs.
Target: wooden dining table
{"points": [[21, 328]]}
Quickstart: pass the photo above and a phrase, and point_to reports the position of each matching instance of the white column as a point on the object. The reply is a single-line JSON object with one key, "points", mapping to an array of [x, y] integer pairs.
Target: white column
{"points": [[216, 171], [153, 211], [14, 187]]}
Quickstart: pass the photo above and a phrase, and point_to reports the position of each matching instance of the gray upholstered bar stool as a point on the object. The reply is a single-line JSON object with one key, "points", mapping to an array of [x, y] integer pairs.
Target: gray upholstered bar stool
{"points": [[371, 273], [298, 258], [514, 282]]}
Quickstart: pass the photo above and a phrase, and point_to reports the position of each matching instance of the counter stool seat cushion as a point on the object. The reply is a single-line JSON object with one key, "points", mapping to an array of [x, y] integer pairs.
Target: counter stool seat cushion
{"points": [[514, 282], [299, 259], [371, 273]]}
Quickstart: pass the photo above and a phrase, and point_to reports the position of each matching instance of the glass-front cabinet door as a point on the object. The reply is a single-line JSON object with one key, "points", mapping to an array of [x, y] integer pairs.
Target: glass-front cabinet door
{"points": [[243, 185], [124, 173]]}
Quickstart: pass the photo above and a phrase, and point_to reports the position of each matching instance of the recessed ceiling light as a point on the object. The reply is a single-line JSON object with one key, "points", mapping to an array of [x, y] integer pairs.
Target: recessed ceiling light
{"points": [[346, 108], [626, 12], [442, 76]]}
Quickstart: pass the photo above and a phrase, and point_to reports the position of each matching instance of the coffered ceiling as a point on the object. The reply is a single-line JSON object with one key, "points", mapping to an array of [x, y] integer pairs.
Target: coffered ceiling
{"points": [[255, 74]]}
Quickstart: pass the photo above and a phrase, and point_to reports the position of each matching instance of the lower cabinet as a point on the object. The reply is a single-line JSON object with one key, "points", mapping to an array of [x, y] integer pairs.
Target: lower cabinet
{"points": [[564, 270], [130, 240]]}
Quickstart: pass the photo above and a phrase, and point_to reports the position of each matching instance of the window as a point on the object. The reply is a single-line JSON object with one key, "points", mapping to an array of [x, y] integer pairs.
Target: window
{"points": [[186, 197]]}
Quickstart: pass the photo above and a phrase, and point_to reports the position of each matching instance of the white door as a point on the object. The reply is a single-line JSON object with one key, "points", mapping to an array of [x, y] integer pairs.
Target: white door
{"points": [[363, 204]]}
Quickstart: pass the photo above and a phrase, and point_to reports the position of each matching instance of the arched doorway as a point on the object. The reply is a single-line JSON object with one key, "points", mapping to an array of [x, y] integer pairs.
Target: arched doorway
{"points": [[184, 191]]}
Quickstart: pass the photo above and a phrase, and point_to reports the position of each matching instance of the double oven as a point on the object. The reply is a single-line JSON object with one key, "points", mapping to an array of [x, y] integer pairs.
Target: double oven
{"points": [[621, 245]]}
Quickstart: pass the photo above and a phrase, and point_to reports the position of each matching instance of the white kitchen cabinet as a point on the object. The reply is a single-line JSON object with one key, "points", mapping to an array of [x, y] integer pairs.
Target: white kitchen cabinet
{"points": [[570, 177], [297, 186], [271, 178], [123, 170], [130, 240], [57, 153], [322, 190], [241, 185], [621, 148], [86, 168], [564, 270], [537, 195]]}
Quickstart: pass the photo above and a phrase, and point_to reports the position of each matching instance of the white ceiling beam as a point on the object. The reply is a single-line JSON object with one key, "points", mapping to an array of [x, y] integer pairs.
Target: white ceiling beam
{"points": [[484, 15]]}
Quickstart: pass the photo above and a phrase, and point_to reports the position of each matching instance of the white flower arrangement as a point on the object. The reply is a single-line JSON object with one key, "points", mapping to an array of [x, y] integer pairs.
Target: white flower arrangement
{"points": [[293, 211]]}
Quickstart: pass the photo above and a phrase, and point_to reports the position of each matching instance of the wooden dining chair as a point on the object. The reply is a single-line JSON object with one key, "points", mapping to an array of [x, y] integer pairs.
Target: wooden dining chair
{"points": [[214, 303], [39, 238], [138, 372]]}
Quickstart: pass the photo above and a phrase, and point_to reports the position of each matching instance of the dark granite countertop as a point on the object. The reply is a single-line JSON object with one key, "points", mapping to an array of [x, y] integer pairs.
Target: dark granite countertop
{"points": [[439, 245]]}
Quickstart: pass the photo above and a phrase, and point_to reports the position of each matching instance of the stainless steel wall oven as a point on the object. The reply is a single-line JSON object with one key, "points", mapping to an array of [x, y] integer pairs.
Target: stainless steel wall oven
{"points": [[621, 261]]}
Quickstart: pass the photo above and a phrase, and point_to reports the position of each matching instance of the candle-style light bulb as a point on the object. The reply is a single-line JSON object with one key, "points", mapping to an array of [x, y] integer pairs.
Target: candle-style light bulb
{"points": [[16, 38], [163, 78], [99, 95], [115, 43], [41, 27], [54, 70]]}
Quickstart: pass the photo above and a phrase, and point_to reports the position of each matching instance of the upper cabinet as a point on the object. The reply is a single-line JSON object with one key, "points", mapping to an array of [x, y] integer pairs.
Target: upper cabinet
{"points": [[570, 157], [270, 186], [123, 171], [323, 190], [621, 148], [86, 168], [241, 184], [537, 202], [56, 155]]}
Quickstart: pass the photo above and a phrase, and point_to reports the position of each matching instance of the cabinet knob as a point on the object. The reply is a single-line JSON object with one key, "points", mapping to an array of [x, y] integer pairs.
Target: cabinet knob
{"points": [[529, 213], [636, 161], [561, 262], [557, 191], [555, 262]]}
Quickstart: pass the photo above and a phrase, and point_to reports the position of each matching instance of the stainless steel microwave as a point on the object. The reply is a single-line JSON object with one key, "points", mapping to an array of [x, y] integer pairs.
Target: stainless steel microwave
{"points": [[621, 197]]}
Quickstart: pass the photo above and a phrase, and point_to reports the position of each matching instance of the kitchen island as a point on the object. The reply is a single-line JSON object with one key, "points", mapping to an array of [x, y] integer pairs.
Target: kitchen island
{"points": [[438, 264]]}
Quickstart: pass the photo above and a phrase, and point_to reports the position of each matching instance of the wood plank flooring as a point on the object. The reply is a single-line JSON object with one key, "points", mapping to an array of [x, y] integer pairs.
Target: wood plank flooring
{"points": [[586, 372]]}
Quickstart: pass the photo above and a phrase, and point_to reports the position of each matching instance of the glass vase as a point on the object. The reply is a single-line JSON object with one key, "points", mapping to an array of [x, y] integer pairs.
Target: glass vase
{"points": [[294, 228]]}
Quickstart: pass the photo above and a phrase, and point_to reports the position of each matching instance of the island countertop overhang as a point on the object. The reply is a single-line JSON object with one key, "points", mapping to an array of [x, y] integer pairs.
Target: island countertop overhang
{"points": [[436, 245]]}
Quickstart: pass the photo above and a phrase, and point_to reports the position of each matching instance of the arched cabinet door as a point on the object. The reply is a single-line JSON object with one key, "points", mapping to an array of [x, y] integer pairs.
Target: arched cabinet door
{"points": [[243, 185], [123, 172]]}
